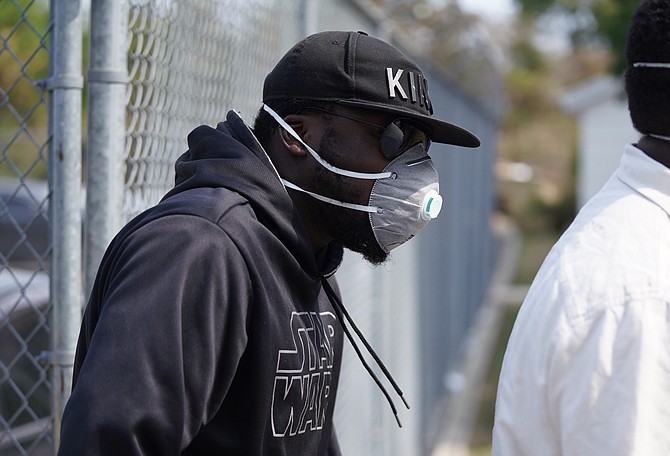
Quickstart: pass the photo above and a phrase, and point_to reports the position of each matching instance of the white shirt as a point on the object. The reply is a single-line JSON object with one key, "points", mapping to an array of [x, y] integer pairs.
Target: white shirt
{"points": [[587, 367]]}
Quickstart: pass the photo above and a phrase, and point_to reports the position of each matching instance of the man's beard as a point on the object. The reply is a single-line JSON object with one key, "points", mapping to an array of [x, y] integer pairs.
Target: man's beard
{"points": [[352, 228], [349, 226]]}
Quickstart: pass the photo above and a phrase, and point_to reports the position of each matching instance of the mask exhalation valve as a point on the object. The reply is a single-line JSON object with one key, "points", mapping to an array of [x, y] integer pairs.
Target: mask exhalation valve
{"points": [[431, 205]]}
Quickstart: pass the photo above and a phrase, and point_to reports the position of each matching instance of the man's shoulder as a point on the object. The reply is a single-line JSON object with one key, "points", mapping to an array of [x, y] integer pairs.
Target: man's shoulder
{"points": [[610, 255], [193, 209], [209, 202]]}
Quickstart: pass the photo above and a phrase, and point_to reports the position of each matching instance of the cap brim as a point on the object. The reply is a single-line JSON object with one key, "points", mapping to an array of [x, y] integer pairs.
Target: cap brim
{"points": [[440, 131]]}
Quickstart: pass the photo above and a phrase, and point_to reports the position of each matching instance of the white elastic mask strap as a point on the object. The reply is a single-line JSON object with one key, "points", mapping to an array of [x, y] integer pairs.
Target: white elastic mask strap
{"points": [[357, 207], [664, 138], [651, 65], [317, 157]]}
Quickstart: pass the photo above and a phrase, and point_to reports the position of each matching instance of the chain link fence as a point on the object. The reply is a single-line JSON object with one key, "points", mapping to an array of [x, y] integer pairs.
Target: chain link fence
{"points": [[187, 63], [190, 61], [24, 229]]}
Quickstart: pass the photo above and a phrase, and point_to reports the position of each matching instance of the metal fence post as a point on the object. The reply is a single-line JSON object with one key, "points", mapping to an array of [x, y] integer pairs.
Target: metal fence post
{"points": [[65, 83], [107, 84]]}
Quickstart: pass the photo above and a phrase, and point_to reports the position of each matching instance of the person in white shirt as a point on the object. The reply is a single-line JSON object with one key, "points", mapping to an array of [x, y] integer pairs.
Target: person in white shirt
{"points": [[587, 367]]}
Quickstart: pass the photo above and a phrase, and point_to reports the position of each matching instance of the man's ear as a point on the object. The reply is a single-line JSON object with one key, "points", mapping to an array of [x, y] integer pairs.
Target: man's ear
{"points": [[296, 121]]}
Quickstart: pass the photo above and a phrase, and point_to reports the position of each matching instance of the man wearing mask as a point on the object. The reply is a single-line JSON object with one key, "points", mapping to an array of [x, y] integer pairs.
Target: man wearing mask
{"points": [[587, 367], [215, 325]]}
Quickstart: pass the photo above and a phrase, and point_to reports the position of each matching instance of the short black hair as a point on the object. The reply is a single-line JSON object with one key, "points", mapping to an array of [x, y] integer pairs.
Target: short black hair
{"points": [[265, 125], [648, 89]]}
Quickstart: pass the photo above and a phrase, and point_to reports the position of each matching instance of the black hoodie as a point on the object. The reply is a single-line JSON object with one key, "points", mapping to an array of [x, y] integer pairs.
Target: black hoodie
{"points": [[207, 330]]}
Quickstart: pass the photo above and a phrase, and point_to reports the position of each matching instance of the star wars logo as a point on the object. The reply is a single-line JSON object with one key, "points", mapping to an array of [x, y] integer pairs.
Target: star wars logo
{"points": [[301, 392]]}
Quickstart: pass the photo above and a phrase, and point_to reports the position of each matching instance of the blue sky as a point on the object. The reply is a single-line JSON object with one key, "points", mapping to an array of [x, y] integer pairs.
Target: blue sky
{"points": [[494, 9]]}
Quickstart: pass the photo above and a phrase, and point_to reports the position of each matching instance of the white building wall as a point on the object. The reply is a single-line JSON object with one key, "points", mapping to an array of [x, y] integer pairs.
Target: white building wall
{"points": [[604, 130]]}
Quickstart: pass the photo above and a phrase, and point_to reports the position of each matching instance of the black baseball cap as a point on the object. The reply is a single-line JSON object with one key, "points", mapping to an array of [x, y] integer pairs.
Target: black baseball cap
{"points": [[354, 69]]}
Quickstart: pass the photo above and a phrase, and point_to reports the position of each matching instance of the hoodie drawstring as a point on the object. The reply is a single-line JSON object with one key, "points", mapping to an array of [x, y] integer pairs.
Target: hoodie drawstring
{"points": [[342, 314]]}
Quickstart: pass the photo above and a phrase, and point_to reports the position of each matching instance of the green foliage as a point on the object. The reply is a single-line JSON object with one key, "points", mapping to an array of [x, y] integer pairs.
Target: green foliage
{"points": [[595, 21], [613, 18], [528, 96], [534, 7], [526, 83], [527, 57], [24, 59]]}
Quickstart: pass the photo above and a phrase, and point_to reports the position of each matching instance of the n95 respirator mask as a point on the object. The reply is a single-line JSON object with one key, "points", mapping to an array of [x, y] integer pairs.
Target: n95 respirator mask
{"points": [[404, 197]]}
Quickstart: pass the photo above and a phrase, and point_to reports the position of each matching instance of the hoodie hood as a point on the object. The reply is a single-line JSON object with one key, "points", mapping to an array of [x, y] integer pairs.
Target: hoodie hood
{"points": [[231, 157], [220, 157]]}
